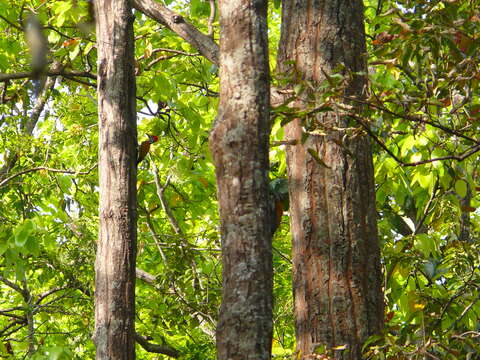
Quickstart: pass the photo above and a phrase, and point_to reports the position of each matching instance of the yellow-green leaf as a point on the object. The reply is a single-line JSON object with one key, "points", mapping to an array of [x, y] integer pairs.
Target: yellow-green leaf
{"points": [[461, 187]]}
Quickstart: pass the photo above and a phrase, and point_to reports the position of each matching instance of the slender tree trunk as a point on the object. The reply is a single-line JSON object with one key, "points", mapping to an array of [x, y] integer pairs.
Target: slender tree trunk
{"points": [[337, 274], [239, 145], [115, 262]]}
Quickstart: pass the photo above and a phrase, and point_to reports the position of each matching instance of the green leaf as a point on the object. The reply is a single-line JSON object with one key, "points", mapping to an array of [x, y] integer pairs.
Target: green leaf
{"points": [[426, 244], [461, 187], [65, 183], [426, 181], [199, 8], [88, 47], [32, 245], [53, 37], [3, 247], [58, 353], [60, 19], [20, 270], [74, 53], [408, 144], [23, 231]]}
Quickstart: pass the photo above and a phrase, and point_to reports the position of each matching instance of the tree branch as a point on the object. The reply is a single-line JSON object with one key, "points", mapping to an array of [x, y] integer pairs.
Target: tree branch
{"points": [[14, 286], [3, 182], [23, 75], [42, 296], [154, 234], [469, 152], [176, 23], [163, 201], [155, 348], [145, 276], [462, 315], [173, 51], [19, 28], [416, 119], [418, 227], [4, 332], [203, 43]]}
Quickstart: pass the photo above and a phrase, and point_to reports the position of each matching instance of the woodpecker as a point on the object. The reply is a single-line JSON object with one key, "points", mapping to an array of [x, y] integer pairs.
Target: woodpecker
{"points": [[144, 147], [278, 189]]}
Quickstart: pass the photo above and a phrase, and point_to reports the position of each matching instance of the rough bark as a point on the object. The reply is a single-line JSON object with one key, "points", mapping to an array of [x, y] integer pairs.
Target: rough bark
{"points": [[115, 262], [337, 274], [239, 145]]}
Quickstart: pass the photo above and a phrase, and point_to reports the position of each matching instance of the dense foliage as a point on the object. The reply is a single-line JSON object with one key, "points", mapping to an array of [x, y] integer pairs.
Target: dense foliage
{"points": [[424, 99], [423, 112]]}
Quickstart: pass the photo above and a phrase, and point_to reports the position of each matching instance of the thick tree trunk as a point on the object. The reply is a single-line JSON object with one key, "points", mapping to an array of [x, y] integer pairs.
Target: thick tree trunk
{"points": [[337, 274], [115, 262], [239, 145]]}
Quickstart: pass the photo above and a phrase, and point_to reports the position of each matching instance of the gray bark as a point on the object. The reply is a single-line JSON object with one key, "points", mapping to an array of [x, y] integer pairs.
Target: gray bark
{"points": [[239, 145], [115, 262]]}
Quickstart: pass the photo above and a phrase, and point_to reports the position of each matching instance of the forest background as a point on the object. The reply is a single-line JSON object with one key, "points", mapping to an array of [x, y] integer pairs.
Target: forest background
{"points": [[422, 115]]}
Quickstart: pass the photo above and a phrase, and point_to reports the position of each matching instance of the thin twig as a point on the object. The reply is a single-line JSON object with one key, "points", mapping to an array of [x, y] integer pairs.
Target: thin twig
{"points": [[19, 28], [462, 315], [12, 285], [40, 168], [155, 235], [427, 208], [469, 152], [163, 201], [21, 323], [83, 82], [411, 118], [23, 75], [285, 142], [50, 292], [377, 140], [173, 51]]}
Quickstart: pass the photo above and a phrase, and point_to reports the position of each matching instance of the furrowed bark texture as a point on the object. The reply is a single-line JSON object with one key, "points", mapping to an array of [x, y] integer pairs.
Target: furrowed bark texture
{"points": [[115, 262], [337, 274], [239, 145]]}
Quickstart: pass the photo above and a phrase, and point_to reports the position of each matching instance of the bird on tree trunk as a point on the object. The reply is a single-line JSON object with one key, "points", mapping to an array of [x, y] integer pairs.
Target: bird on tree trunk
{"points": [[144, 147]]}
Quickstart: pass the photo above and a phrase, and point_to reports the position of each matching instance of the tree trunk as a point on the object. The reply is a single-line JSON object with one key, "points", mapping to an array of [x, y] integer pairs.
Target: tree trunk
{"points": [[239, 145], [115, 262], [337, 274]]}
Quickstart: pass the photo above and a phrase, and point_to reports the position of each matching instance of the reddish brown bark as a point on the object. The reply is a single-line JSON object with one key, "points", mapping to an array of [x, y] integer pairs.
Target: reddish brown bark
{"points": [[239, 145], [115, 262], [337, 274]]}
